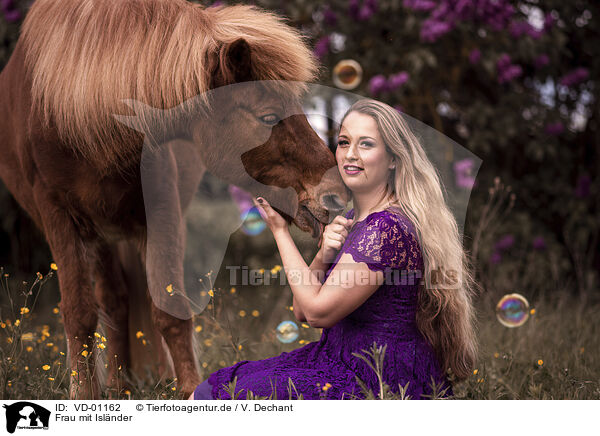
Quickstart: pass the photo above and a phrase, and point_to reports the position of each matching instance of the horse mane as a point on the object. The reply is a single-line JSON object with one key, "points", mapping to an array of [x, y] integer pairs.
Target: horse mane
{"points": [[85, 57]]}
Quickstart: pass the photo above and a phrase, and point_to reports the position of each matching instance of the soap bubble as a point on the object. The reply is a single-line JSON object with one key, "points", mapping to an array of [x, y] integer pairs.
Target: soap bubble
{"points": [[512, 310], [253, 223], [347, 74], [287, 332]]}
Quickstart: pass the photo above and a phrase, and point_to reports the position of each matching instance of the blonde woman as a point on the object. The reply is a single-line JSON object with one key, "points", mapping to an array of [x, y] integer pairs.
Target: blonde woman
{"points": [[391, 272]]}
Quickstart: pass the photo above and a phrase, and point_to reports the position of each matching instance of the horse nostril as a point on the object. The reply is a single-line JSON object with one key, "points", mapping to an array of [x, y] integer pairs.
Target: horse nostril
{"points": [[332, 202]]}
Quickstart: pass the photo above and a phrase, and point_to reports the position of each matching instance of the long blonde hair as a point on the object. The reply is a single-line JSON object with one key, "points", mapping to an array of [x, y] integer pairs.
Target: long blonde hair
{"points": [[445, 316]]}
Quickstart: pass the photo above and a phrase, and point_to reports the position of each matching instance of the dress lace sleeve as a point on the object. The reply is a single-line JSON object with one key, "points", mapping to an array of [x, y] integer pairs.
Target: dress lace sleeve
{"points": [[386, 241]]}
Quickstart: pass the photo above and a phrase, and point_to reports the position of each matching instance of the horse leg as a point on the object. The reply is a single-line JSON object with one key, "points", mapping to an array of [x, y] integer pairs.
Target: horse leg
{"points": [[170, 310], [111, 293], [178, 336], [78, 305], [163, 258]]}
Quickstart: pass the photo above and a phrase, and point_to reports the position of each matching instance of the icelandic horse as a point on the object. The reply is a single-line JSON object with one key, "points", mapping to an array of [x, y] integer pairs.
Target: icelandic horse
{"points": [[75, 168]]}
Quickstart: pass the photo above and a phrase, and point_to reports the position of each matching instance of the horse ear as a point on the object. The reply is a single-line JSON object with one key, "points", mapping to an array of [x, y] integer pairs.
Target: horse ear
{"points": [[235, 63]]}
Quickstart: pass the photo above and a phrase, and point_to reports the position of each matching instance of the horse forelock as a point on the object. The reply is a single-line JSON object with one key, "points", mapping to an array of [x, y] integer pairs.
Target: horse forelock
{"points": [[86, 58]]}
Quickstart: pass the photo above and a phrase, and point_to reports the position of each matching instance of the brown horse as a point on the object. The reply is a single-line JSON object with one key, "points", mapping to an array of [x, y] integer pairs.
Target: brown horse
{"points": [[83, 73]]}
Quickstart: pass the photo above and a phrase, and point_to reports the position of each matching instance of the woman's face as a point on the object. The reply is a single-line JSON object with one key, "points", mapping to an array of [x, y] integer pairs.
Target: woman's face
{"points": [[363, 161]]}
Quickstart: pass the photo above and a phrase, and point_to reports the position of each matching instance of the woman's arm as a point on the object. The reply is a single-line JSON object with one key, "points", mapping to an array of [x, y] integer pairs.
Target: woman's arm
{"points": [[318, 267], [347, 287], [298, 312]]}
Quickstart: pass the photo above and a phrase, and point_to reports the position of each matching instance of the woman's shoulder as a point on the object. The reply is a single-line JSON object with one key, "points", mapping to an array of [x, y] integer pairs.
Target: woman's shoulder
{"points": [[388, 238], [395, 216], [390, 219]]}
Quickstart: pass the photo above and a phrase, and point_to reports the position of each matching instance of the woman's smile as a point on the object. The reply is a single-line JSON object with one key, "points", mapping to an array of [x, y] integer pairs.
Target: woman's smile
{"points": [[352, 169]]}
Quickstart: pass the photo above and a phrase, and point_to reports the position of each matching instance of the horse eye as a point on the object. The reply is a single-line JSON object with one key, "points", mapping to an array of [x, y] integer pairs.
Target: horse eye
{"points": [[270, 119]]}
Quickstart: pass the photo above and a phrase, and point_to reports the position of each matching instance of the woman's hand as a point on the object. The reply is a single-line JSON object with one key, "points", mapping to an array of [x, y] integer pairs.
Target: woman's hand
{"points": [[274, 221], [334, 236]]}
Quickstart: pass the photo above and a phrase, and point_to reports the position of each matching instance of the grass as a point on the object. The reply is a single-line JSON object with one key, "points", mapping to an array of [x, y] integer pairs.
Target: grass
{"points": [[554, 355]]}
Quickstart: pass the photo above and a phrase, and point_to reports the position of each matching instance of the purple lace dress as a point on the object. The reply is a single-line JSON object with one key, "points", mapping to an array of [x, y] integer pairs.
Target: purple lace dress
{"points": [[385, 241]]}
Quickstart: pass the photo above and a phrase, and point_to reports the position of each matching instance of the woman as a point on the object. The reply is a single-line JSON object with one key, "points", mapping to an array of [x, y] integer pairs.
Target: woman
{"points": [[400, 223]]}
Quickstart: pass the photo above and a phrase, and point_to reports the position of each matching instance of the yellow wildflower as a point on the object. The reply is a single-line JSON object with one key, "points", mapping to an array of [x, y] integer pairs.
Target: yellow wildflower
{"points": [[208, 342], [496, 355], [169, 289], [53, 266], [97, 334], [305, 325], [204, 364], [51, 378], [139, 334], [73, 373], [291, 308], [3, 325], [262, 270], [9, 340], [62, 354], [17, 322], [84, 353], [198, 328], [326, 387], [29, 349], [532, 311], [103, 339], [39, 275], [274, 271], [85, 346], [242, 313], [475, 371], [540, 362], [255, 313], [55, 310], [24, 310], [101, 346], [211, 293], [127, 392], [46, 367], [302, 341], [232, 290], [173, 388], [240, 347], [49, 344]]}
